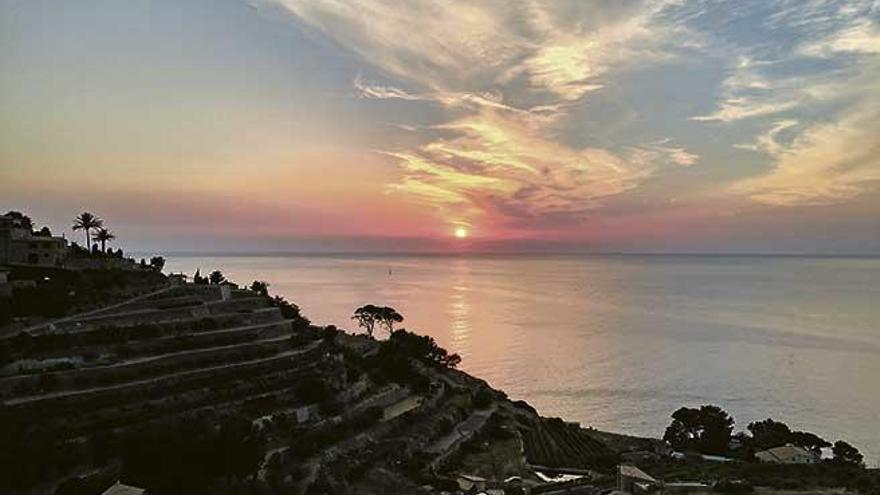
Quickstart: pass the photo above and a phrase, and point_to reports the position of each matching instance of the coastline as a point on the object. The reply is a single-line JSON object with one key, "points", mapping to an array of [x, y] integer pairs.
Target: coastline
{"points": [[622, 340], [353, 414]]}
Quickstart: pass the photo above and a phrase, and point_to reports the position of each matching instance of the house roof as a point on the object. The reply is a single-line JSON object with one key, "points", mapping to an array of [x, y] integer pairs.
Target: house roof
{"points": [[122, 489], [631, 471], [785, 453]]}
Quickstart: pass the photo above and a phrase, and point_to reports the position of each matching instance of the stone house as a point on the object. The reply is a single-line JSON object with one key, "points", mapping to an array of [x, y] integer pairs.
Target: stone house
{"points": [[19, 245]]}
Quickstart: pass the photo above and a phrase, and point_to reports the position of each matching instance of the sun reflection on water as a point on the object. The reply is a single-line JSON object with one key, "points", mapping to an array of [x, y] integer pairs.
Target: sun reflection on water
{"points": [[459, 306]]}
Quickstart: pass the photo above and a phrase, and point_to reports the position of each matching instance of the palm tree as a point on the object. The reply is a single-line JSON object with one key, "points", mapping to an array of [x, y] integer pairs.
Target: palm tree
{"points": [[87, 221], [103, 235]]}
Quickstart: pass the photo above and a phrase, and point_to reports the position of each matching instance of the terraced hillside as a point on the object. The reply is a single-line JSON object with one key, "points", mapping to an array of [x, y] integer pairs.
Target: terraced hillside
{"points": [[557, 444], [204, 389], [82, 380]]}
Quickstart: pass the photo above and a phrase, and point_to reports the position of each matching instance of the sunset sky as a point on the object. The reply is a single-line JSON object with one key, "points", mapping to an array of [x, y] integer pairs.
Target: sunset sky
{"points": [[308, 125]]}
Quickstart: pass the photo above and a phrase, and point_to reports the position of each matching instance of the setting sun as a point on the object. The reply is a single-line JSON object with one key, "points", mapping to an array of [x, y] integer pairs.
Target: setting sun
{"points": [[461, 232]]}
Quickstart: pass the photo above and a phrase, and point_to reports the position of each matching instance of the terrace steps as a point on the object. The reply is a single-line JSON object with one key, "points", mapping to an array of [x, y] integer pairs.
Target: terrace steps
{"points": [[46, 400], [192, 401]]}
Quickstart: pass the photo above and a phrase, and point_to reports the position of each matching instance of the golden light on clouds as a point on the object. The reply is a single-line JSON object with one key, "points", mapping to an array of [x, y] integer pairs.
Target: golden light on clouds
{"points": [[823, 164], [498, 160]]}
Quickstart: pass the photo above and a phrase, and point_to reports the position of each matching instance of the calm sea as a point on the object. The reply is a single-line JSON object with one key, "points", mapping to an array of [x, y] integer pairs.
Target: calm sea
{"points": [[620, 342]]}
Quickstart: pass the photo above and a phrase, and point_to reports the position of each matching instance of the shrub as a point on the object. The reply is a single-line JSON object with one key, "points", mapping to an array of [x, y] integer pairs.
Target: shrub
{"points": [[290, 311], [733, 486], [483, 398], [313, 390], [421, 347]]}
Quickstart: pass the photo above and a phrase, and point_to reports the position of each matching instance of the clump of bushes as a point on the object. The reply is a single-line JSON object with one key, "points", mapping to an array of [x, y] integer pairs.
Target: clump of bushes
{"points": [[733, 486], [290, 311], [420, 347], [483, 398]]}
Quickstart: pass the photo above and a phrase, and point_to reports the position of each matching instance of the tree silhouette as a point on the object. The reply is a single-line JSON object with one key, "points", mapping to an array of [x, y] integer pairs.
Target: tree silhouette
{"points": [[103, 236], [706, 429], [86, 222], [388, 317], [370, 315], [260, 287], [366, 318], [846, 454], [216, 277], [23, 220], [157, 262], [810, 441], [768, 433]]}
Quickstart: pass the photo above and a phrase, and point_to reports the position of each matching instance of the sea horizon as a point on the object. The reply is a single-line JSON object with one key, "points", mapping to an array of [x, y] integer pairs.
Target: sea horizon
{"points": [[453, 254]]}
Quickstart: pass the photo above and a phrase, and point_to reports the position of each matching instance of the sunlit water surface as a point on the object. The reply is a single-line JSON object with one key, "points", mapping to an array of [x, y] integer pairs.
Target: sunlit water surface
{"points": [[619, 342]]}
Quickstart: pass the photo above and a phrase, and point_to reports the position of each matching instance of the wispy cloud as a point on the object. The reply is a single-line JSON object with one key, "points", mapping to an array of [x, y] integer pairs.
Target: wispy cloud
{"points": [[538, 116], [862, 36], [749, 91], [766, 80], [664, 151], [769, 141], [380, 92], [738, 108], [570, 59], [438, 45], [822, 96], [824, 164]]}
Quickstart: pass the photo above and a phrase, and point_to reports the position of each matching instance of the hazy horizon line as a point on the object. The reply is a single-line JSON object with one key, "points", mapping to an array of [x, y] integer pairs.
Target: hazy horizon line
{"points": [[452, 254]]}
